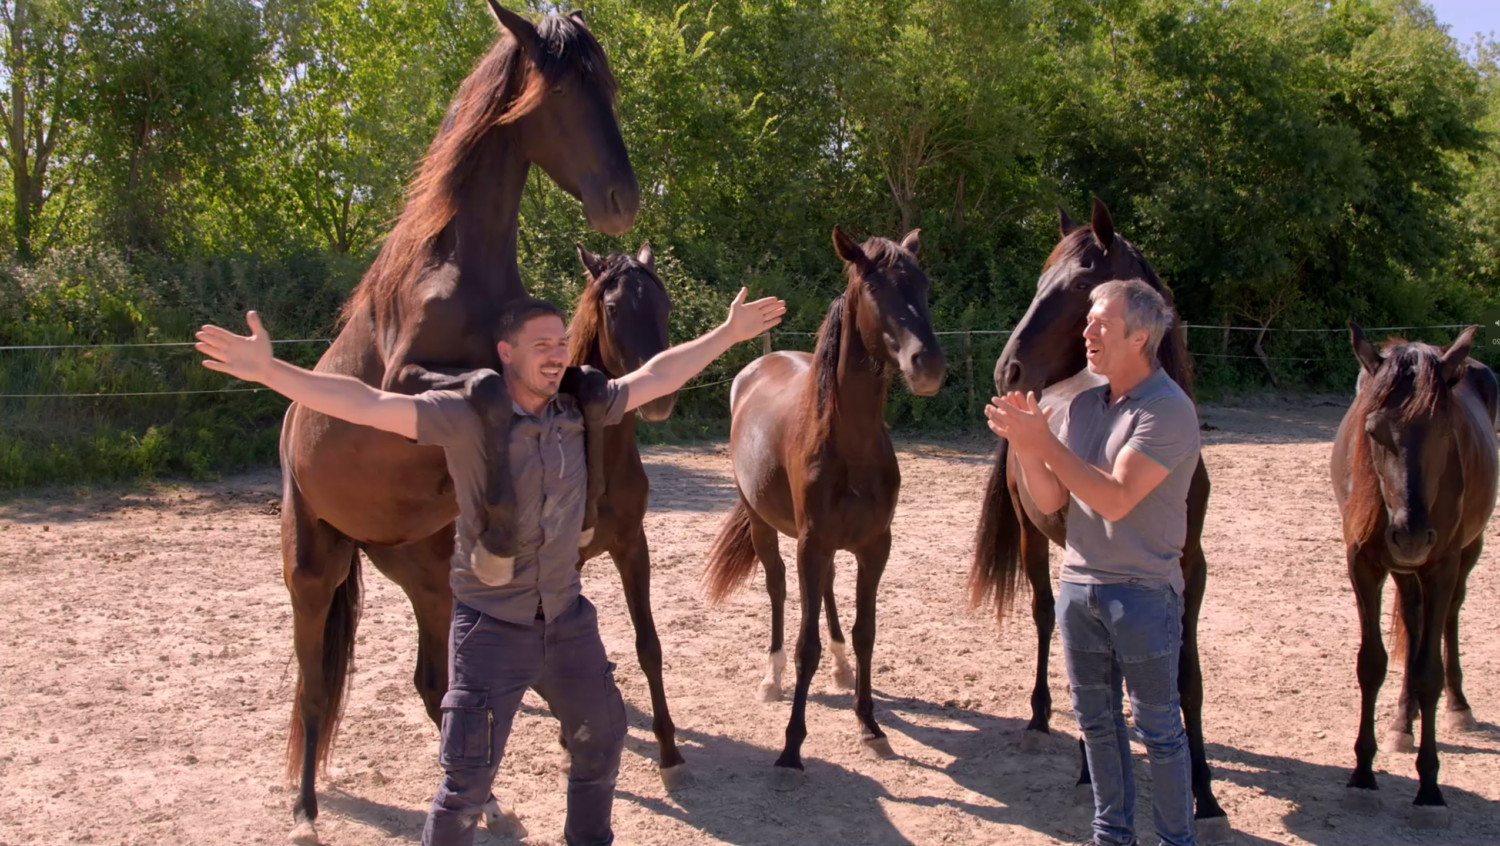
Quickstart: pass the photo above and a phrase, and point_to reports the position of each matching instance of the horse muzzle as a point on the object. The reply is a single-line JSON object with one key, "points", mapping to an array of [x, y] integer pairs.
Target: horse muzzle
{"points": [[611, 206], [658, 409], [924, 372], [1409, 547]]}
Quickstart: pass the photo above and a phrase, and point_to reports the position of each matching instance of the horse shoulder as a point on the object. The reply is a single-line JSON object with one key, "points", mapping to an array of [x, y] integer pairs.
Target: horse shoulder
{"points": [[441, 323]]}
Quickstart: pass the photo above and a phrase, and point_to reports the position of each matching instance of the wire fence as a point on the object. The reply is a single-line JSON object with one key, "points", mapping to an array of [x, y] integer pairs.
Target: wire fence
{"points": [[128, 370]]}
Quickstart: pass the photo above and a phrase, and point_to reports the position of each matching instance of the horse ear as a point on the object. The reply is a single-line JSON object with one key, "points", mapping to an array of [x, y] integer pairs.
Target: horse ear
{"points": [[593, 265], [1103, 224], [522, 29], [849, 251], [1065, 224], [912, 241], [1368, 356], [646, 256], [577, 15], [1456, 354]]}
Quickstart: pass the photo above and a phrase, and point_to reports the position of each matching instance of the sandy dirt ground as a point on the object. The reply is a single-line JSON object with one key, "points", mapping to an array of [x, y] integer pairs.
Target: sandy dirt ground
{"points": [[145, 676]]}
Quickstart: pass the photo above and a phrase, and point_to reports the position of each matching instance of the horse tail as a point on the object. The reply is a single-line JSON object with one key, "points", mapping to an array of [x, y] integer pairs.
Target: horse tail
{"points": [[338, 656], [1398, 631], [731, 562], [995, 575]]}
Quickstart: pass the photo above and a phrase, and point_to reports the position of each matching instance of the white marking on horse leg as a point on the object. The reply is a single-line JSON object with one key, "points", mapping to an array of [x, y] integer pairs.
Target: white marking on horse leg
{"points": [[304, 834], [842, 675], [501, 822], [770, 686], [491, 569]]}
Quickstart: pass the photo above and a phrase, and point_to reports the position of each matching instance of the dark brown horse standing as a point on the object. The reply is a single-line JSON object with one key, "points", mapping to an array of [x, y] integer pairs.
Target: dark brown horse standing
{"points": [[619, 323], [813, 461], [1414, 470], [1046, 348], [542, 95]]}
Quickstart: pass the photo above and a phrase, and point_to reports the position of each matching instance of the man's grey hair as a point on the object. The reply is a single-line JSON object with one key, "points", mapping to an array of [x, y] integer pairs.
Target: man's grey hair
{"points": [[1145, 309]]}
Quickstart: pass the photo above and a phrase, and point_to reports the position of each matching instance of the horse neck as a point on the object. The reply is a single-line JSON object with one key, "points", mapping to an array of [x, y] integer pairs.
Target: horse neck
{"points": [[487, 218], [861, 384]]}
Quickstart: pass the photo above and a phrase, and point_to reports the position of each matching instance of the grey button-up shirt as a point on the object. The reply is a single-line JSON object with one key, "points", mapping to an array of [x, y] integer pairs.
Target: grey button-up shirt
{"points": [[1157, 419], [548, 469]]}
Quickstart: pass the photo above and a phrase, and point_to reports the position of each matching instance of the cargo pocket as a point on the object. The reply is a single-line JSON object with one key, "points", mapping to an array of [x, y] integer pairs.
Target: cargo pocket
{"points": [[615, 706], [467, 728]]}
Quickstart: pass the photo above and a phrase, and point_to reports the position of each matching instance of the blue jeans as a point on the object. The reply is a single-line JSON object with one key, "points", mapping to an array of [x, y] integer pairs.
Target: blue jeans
{"points": [[491, 662], [1129, 632]]}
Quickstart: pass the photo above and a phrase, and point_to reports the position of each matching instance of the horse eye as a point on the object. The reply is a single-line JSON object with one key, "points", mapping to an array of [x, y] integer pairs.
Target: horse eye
{"points": [[557, 89], [610, 308]]}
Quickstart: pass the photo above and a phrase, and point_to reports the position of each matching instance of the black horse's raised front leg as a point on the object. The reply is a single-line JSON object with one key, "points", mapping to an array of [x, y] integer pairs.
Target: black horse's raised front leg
{"points": [[591, 388], [486, 393]]}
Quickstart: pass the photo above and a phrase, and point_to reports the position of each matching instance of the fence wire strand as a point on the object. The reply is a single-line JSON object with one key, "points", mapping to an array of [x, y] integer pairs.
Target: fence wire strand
{"points": [[965, 362]]}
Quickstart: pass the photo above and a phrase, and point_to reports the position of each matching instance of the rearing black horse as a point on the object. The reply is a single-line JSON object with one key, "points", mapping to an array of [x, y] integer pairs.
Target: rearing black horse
{"points": [[1046, 348]]}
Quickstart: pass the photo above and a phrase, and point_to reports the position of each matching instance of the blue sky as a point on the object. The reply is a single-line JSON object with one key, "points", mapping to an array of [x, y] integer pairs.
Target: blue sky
{"points": [[1468, 17]]}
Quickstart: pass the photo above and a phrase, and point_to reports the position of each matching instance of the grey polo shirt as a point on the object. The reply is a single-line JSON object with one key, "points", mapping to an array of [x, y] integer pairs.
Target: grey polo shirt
{"points": [[551, 478], [1157, 419]]}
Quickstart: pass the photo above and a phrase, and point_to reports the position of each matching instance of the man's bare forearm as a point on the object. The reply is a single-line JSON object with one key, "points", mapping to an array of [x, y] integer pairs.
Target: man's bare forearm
{"points": [[1046, 491], [344, 397]]}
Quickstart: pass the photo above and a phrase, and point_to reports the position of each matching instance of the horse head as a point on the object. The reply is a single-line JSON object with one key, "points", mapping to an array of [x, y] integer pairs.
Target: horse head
{"points": [[1406, 404], [891, 312], [565, 116], [622, 314], [1047, 345]]}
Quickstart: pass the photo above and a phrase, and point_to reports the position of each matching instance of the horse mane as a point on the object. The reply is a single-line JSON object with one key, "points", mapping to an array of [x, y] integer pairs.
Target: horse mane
{"points": [[830, 339], [588, 311], [1172, 355], [826, 355], [1429, 396], [503, 87]]}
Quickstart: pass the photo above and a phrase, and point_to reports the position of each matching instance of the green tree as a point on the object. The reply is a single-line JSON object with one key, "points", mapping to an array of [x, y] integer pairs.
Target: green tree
{"points": [[169, 81], [40, 55]]}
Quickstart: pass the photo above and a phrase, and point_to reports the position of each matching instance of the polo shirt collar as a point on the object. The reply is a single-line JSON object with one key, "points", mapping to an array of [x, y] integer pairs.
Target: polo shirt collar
{"points": [[1141, 387]]}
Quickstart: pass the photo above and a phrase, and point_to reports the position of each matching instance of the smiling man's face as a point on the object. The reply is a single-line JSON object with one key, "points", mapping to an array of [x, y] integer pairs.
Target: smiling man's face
{"points": [[535, 360], [1106, 342]]}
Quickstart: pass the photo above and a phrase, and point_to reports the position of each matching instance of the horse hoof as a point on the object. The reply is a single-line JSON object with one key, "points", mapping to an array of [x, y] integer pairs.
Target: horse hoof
{"points": [[878, 748], [502, 823], [784, 779], [1460, 721], [1358, 800], [1430, 816], [769, 692], [677, 778], [1213, 831], [1083, 795], [1035, 742], [1400, 741], [304, 834]]}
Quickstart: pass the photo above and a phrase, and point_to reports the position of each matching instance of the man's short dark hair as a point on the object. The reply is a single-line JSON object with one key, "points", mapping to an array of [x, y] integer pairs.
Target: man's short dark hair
{"points": [[522, 312]]}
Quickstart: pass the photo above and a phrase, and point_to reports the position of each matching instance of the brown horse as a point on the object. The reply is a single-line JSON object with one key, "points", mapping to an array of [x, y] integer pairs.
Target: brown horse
{"points": [[544, 95], [813, 461], [1046, 348], [619, 323], [1414, 470]]}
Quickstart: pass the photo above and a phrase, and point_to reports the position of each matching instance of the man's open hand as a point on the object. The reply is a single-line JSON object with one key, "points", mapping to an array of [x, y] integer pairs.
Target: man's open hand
{"points": [[243, 357]]}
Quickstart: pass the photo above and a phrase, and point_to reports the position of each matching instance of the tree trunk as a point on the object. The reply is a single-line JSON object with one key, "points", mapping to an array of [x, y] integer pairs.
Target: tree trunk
{"points": [[19, 166], [1264, 359], [958, 202]]}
